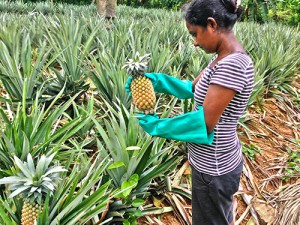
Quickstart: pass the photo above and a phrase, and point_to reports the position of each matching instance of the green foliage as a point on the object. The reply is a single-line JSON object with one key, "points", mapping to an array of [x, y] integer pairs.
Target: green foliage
{"points": [[293, 163], [287, 11], [274, 58], [76, 2], [255, 10], [43, 217], [35, 131], [33, 181], [10, 210], [131, 150], [20, 66], [136, 159], [251, 150], [82, 196], [169, 4], [66, 37]]}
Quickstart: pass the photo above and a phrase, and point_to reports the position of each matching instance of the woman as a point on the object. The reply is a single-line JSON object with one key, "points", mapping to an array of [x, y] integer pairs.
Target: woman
{"points": [[221, 93]]}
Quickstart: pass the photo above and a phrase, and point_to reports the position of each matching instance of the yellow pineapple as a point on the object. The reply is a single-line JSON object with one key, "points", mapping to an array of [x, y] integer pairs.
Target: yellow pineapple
{"points": [[143, 94], [33, 184], [30, 213]]}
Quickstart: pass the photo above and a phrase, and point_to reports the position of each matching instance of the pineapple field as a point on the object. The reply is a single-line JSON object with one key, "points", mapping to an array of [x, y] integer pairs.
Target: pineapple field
{"points": [[71, 148]]}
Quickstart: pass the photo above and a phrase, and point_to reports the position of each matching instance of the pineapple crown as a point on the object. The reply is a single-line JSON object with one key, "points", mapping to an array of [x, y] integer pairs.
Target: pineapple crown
{"points": [[34, 182], [137, 65]]}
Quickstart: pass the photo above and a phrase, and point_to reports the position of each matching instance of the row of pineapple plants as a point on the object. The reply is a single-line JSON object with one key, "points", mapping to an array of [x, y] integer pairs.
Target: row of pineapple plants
{"points": [[98, 50], [64, 95], [116, 176]]}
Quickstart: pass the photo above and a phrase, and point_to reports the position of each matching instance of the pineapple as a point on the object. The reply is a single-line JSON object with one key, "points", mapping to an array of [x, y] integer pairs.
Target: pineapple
{"points": [[143, 94], [33, 184]]}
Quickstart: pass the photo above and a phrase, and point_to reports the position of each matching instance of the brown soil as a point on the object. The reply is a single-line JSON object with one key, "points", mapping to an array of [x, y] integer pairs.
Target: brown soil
{"points": [[274, 129]]}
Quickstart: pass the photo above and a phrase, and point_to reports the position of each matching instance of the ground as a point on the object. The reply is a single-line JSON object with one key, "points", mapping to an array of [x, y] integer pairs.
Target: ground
{"points": [[274, 131]]}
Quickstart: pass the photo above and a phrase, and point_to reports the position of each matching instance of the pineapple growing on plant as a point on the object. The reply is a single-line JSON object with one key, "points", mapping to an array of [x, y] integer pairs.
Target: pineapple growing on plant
{"points": [[33, 184], [143, 94]]}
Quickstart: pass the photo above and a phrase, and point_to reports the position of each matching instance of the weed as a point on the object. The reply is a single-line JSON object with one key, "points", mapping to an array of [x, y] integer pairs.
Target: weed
{"points": [[293, 164], [251, 150]]}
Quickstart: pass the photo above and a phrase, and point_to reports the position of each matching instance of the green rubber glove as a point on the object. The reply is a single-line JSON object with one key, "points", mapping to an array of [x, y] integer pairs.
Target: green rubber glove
{"points": [[127, 85], [189, 127], [162, 83]]}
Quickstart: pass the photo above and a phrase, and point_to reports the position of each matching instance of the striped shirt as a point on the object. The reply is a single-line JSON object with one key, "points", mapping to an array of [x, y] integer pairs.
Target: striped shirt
{"points": [[235, 72]]}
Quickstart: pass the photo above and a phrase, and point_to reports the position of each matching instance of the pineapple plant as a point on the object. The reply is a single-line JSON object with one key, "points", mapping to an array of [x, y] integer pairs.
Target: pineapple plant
{"points": [[143, 94], [33, 184]]}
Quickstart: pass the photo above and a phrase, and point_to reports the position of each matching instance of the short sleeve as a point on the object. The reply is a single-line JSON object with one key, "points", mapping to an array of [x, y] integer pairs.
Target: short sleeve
{"points": [[231, 74]]}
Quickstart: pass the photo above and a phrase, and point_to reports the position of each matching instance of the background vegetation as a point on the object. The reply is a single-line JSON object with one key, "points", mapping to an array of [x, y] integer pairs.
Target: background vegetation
{"points": [[284, 11]]}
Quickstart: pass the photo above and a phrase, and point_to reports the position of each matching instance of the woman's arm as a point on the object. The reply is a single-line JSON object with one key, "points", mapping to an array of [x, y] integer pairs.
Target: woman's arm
{"points": [[215, 102]]}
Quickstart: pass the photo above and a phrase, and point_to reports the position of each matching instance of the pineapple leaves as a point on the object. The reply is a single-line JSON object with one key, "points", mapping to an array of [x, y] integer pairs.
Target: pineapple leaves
{"points": [[19, 191], [32, 182], [116, 165], [30, 165], [24, 169], [3, 215], [53, 170], [12, 180]]}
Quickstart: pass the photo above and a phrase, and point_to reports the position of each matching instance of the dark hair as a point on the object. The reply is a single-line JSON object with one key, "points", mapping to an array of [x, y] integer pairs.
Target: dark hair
{"points": [[225, 12]]}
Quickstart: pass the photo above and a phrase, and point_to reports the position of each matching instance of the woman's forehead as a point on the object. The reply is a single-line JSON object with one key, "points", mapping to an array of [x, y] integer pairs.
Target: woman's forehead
{"points": [[192, 27]]}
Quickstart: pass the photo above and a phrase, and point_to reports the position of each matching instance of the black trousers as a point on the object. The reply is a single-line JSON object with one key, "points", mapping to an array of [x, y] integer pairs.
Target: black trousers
{"points": [[212, 197]]}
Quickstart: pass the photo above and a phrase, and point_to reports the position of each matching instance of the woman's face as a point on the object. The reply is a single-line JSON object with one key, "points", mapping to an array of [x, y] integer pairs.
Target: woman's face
{"points": [[204, 37]]}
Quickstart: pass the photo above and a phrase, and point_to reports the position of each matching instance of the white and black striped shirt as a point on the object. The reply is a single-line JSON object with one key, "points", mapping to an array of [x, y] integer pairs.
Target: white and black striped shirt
{"points": [[234, 72]]}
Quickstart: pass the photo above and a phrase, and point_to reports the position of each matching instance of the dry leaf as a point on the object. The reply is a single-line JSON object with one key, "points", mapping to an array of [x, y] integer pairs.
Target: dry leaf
{"points": [[266, 213], [157, 202]]}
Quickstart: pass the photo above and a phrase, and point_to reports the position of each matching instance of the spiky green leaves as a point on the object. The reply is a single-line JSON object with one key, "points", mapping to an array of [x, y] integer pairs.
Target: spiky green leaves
{"points": [[138, 65], [33, 182]]}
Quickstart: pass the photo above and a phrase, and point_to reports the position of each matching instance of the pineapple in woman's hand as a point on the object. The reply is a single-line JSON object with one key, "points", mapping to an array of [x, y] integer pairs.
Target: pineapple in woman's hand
{"points": [[143, 94], [32, 184]]}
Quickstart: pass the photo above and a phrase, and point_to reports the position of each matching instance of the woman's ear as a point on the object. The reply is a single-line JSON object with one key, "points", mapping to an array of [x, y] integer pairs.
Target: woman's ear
{"points": [[211, 23]]}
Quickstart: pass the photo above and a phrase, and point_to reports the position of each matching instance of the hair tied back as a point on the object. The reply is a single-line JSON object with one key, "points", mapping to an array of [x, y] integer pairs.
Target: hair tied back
{"points": [[232, 6], [238, 5]]}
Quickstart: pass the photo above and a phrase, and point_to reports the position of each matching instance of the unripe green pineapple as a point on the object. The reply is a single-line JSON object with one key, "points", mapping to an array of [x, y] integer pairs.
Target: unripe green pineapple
{"points": [[143, 94], [33, 183]]}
